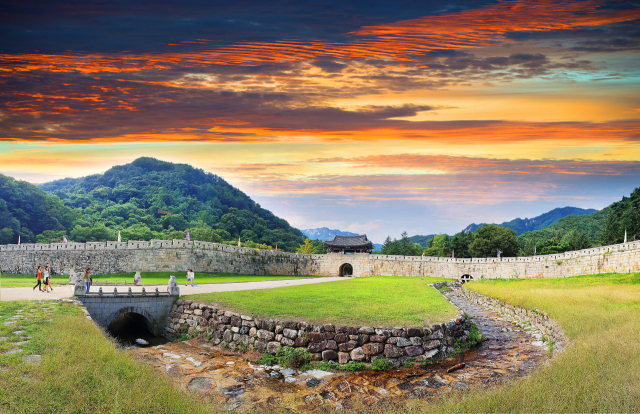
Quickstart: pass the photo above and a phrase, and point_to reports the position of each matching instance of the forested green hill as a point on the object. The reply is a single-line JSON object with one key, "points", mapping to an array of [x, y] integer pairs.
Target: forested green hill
{"points": [[149, 199], [26, 210]]}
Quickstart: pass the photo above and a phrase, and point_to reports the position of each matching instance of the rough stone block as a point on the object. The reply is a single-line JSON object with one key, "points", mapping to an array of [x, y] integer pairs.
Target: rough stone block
{"points": [[272, 347], [392, 351], [373, 348], [414, 332], [343, 358], [413, 351], [329, 355], [357, 354], [315, 337], [290, 333]]}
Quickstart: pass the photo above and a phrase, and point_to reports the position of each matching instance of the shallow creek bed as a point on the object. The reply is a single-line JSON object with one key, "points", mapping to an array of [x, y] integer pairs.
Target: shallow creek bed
{"points": [[230, 378]]}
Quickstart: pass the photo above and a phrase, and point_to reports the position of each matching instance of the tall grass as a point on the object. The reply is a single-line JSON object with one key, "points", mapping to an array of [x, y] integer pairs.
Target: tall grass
{"points": [[599, 371], [82, 371]]}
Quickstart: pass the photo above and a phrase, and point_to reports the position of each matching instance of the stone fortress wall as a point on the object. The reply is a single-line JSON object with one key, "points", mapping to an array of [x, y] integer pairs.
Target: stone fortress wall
{"points": [[178, 255]]}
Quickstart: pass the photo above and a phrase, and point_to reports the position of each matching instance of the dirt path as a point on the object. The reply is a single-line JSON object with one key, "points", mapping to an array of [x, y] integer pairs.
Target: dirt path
{"points": [[67, 291]]}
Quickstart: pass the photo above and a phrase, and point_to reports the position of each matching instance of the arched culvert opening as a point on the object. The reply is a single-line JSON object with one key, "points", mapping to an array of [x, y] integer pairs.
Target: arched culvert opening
{"points": [[132, 329], [346, 270], [466, 278]]}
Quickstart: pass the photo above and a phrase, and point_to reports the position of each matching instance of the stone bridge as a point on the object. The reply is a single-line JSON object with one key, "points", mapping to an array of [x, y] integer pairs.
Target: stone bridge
{"points": [[153, 306]]}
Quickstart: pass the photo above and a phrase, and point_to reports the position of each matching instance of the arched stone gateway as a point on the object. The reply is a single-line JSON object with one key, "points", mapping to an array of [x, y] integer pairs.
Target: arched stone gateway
{"points": [[466, 278], [346, 270]]}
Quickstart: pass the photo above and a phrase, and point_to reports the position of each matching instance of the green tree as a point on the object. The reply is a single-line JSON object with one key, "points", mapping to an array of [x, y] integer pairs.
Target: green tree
{"points": [[306, 248], [491, 238], [460, 244], [50, 236], [609, 233], [439, 246]]}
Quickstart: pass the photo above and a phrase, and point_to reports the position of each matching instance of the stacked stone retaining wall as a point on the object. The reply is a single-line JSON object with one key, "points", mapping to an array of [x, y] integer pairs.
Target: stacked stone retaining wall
{"points": [[328, 342], [179, 255]]}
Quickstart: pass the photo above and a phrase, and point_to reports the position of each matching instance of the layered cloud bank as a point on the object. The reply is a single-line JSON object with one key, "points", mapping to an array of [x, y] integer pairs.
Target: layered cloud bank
{"points": [[332, 110]]}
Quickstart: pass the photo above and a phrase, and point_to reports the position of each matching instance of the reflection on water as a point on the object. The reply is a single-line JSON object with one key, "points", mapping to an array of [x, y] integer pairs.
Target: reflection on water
{"points": [[129, 327]]}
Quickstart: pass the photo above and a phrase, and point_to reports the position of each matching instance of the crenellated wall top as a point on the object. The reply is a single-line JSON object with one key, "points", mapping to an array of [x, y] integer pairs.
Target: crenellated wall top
{"points": [[184, 244]]}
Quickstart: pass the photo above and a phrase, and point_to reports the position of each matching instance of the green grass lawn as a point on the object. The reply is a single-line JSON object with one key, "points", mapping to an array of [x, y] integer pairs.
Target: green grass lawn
{"points": [[148, 278], [370, 301], [9, 280], [81, 371], [599, 371]]}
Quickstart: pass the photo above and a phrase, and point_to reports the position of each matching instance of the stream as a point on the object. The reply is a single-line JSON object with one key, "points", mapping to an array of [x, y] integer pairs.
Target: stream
{"points": [[228, 379]]}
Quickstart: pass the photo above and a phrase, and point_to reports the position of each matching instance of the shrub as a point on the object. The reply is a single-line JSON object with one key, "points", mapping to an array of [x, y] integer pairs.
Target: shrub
{"points": [[287, 357], [268, 359], [380, 365]]}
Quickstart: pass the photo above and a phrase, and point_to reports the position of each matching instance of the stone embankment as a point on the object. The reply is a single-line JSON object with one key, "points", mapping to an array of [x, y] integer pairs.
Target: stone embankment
{"points": [[532, 319], [325, 342]]}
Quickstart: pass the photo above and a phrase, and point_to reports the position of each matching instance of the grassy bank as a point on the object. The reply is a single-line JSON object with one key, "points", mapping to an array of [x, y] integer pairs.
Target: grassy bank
{"points": [[372, 301], [600, 368], [81, 370], [148, 278]]}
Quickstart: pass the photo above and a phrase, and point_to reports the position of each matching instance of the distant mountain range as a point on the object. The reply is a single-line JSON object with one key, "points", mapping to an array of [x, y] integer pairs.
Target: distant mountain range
{"points": [[520, 225], [324, 234], [422, 240], [536, 223]]}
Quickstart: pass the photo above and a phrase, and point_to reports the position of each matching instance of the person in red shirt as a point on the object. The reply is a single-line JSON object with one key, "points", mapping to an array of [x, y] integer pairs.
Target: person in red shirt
{"points": [[39, 284]]}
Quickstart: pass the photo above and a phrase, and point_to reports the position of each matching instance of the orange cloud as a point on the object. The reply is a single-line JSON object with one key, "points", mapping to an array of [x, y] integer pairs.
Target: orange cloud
{"points": [[400, 41]]}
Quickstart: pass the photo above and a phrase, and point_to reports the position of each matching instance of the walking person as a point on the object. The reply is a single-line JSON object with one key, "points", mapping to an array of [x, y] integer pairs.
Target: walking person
{"points": [[188, 277], [47, 275], [39, 277], [192, 276], [47, 281], [87, 278]]}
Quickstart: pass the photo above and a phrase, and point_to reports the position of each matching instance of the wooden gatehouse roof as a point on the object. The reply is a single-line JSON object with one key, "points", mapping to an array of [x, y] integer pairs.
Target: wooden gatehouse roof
{"points": [[351, 242]]}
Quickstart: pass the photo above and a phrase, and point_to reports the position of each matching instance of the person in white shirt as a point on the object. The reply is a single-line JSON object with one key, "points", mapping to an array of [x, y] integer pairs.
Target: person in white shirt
{"points": [[192, 276]]}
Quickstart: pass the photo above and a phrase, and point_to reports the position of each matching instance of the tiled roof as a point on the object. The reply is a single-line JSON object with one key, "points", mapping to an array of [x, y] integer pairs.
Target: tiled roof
{"points": [[350, 241]]}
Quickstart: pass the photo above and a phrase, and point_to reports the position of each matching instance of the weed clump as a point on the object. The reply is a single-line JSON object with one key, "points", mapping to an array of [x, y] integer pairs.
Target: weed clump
{"points": [[381, 365], [288, 357]]}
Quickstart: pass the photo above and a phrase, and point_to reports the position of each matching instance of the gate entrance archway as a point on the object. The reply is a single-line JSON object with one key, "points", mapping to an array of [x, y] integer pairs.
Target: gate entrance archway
{"points": [[346, 270], [466, 278]]}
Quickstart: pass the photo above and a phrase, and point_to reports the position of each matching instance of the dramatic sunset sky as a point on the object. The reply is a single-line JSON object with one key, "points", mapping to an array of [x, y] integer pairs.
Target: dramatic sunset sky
{"points": [[368, 116]]}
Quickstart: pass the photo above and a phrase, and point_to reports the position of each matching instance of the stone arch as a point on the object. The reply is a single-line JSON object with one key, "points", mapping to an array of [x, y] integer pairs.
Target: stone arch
{"points": [[466, 278], [346, 269], [149, 319]]}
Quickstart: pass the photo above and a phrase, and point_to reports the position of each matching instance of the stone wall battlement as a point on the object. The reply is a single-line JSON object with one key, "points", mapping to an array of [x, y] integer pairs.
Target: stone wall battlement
{"points": [[179, 255]]}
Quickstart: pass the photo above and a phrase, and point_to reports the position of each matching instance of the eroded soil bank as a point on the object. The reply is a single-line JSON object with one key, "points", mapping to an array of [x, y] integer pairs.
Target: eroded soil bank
{"points": [[232, 380]]}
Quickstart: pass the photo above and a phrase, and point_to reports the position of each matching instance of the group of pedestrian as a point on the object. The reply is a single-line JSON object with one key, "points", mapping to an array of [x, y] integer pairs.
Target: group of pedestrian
{"points": [[190, 277], [46, 275]]}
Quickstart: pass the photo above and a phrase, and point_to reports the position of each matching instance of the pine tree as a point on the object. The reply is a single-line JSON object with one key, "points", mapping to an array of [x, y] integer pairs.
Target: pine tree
{"points": [[609, 233]]}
